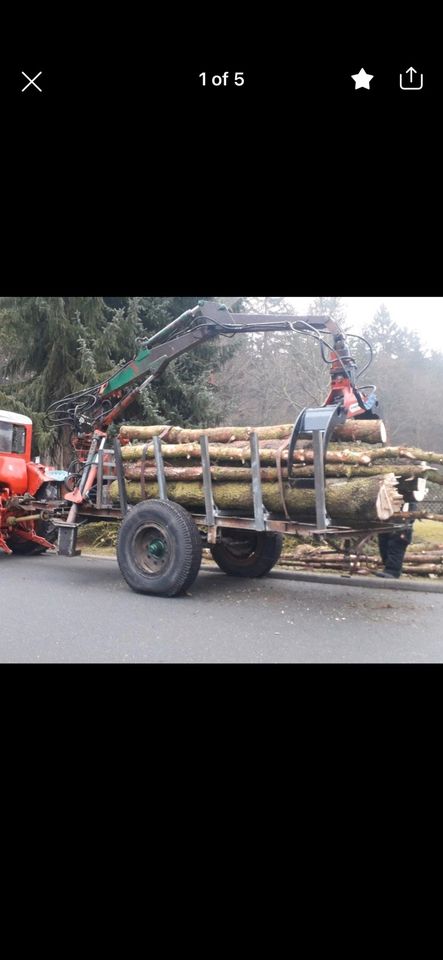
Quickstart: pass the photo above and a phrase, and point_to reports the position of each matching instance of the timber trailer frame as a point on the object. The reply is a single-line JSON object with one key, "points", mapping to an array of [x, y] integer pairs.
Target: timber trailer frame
{"points": [[159, 548], [146, 555]]}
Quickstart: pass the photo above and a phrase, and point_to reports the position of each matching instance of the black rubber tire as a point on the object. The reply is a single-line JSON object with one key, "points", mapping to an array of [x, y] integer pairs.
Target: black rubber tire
{"points": [[159, 522], [43, 528], [247, 553]]}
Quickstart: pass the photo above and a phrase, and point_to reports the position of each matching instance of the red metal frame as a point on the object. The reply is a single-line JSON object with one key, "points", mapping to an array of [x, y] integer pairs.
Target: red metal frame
{"points": [[19, 476]]}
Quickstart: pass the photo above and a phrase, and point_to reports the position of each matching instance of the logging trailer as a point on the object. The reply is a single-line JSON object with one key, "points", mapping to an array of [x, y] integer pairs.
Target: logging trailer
{"points": [[160, 543]]}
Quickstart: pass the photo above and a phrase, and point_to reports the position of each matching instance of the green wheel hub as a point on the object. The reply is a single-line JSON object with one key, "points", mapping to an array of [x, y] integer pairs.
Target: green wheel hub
{"points": [[153, 549], [157, 548]]}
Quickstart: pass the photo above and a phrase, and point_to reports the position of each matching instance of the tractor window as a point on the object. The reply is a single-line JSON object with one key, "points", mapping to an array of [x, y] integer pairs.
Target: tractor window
{"points": [[5, 437], [12, 438], [18, 439]]}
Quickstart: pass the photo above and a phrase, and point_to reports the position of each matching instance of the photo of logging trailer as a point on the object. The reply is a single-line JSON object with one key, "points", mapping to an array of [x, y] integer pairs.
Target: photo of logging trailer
{"points": [[177, 489], [238, 489]]}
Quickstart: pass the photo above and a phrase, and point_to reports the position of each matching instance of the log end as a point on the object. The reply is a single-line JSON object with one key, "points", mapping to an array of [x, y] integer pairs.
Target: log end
{"points": [[389, 501]]}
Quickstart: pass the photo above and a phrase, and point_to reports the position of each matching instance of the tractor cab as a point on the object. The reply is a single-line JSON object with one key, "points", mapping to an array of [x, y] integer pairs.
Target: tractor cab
{"points": [[15, 450]]}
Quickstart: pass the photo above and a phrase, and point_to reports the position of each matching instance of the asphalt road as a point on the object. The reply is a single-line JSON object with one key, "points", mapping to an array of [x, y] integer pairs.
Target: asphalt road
{"points": [[57, 609]]}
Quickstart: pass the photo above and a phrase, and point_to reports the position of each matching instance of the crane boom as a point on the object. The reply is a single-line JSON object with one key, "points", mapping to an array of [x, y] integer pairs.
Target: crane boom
{"points": [[100, 405], [91, 411]]}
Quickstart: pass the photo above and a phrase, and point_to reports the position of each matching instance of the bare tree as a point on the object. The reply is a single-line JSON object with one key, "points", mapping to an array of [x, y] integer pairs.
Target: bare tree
{"points": [[273, 376]]}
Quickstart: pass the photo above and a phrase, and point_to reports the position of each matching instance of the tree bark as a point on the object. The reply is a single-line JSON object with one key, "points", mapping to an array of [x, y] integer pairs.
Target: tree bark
{"points": [[269, 474], [365, 431], [352, 501], [337, 453], [369, 431], [214, 434], [430, 556], [227, 452], [409, 453]]}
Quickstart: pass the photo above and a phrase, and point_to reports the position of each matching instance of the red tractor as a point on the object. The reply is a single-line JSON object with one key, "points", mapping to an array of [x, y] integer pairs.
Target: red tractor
{"points": [[22, 483]]}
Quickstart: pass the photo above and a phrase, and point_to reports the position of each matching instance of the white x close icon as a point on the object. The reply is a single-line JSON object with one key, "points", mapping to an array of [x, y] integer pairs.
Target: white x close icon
{"points": [[31, 82]]}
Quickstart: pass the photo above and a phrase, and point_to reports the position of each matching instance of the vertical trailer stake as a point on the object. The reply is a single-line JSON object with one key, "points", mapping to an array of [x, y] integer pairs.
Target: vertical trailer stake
{"points": [[120, 477], [161, 479], [259, 511], [319, 480], [207, 490], [98, 501]]}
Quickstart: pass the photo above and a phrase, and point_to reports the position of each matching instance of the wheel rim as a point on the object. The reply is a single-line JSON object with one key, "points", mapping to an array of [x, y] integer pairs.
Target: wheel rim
{"points": [[153, 549]]}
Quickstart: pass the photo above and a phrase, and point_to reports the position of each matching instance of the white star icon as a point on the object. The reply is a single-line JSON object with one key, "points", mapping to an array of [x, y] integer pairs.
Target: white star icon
{"points": [[362, 79]]}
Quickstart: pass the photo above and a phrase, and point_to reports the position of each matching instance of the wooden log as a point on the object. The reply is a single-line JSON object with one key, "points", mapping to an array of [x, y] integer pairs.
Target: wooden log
{"points": [[319, 566], [227, 452], [429, 556], [406, 473], [369, 431], [214, 434], [271, 444], [269, 474], [363, 568], [354, 501], [410, 558], [337, 453], [141, 432], [399, 453], [184, 473]]}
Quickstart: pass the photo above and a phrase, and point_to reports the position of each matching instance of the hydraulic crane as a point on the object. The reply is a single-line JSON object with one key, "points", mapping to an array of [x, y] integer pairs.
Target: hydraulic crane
{"points": [[90, 412], [160, 543]]}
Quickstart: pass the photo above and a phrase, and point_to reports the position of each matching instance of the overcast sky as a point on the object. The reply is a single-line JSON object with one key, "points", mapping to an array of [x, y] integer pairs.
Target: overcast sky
{"points": [[422, 314]]}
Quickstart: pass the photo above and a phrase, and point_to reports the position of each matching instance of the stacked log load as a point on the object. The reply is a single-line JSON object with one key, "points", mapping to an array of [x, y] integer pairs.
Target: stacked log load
{"points": [[366, 479]]}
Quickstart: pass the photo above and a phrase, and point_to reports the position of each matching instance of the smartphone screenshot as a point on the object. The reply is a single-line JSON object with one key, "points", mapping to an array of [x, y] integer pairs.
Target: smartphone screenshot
{"points": [[216, 478]]}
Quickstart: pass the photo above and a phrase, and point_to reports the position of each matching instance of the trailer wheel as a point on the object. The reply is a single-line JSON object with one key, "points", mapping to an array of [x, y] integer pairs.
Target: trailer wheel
{"points": [[247, 554], [159, 548], [43, 528]]}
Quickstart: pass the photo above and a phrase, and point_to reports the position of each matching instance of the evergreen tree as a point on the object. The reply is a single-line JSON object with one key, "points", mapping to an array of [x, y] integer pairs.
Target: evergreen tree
{"points": [[388, 338], [404, 378], [328, 307], [54, 346], [187, 392]]}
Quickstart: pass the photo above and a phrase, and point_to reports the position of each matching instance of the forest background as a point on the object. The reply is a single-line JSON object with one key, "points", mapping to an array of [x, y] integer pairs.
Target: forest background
{"points": [[54, 346]]}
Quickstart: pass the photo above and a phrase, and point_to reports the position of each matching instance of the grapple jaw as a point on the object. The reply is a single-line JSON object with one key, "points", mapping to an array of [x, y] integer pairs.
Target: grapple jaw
{"points": [[325, 419], [316, 424]]}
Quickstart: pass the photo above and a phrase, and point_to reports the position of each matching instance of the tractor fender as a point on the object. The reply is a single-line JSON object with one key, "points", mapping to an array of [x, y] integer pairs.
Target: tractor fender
{"points": [[37, 475]]}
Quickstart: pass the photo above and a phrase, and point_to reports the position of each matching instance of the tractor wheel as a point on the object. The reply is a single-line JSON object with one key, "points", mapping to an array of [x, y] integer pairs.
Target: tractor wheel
{"points": [[159, 548], [43, 528], [247, 554]]}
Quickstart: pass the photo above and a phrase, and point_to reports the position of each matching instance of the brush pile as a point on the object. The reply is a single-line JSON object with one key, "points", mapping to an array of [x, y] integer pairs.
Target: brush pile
{"points": [[417, 563]]}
